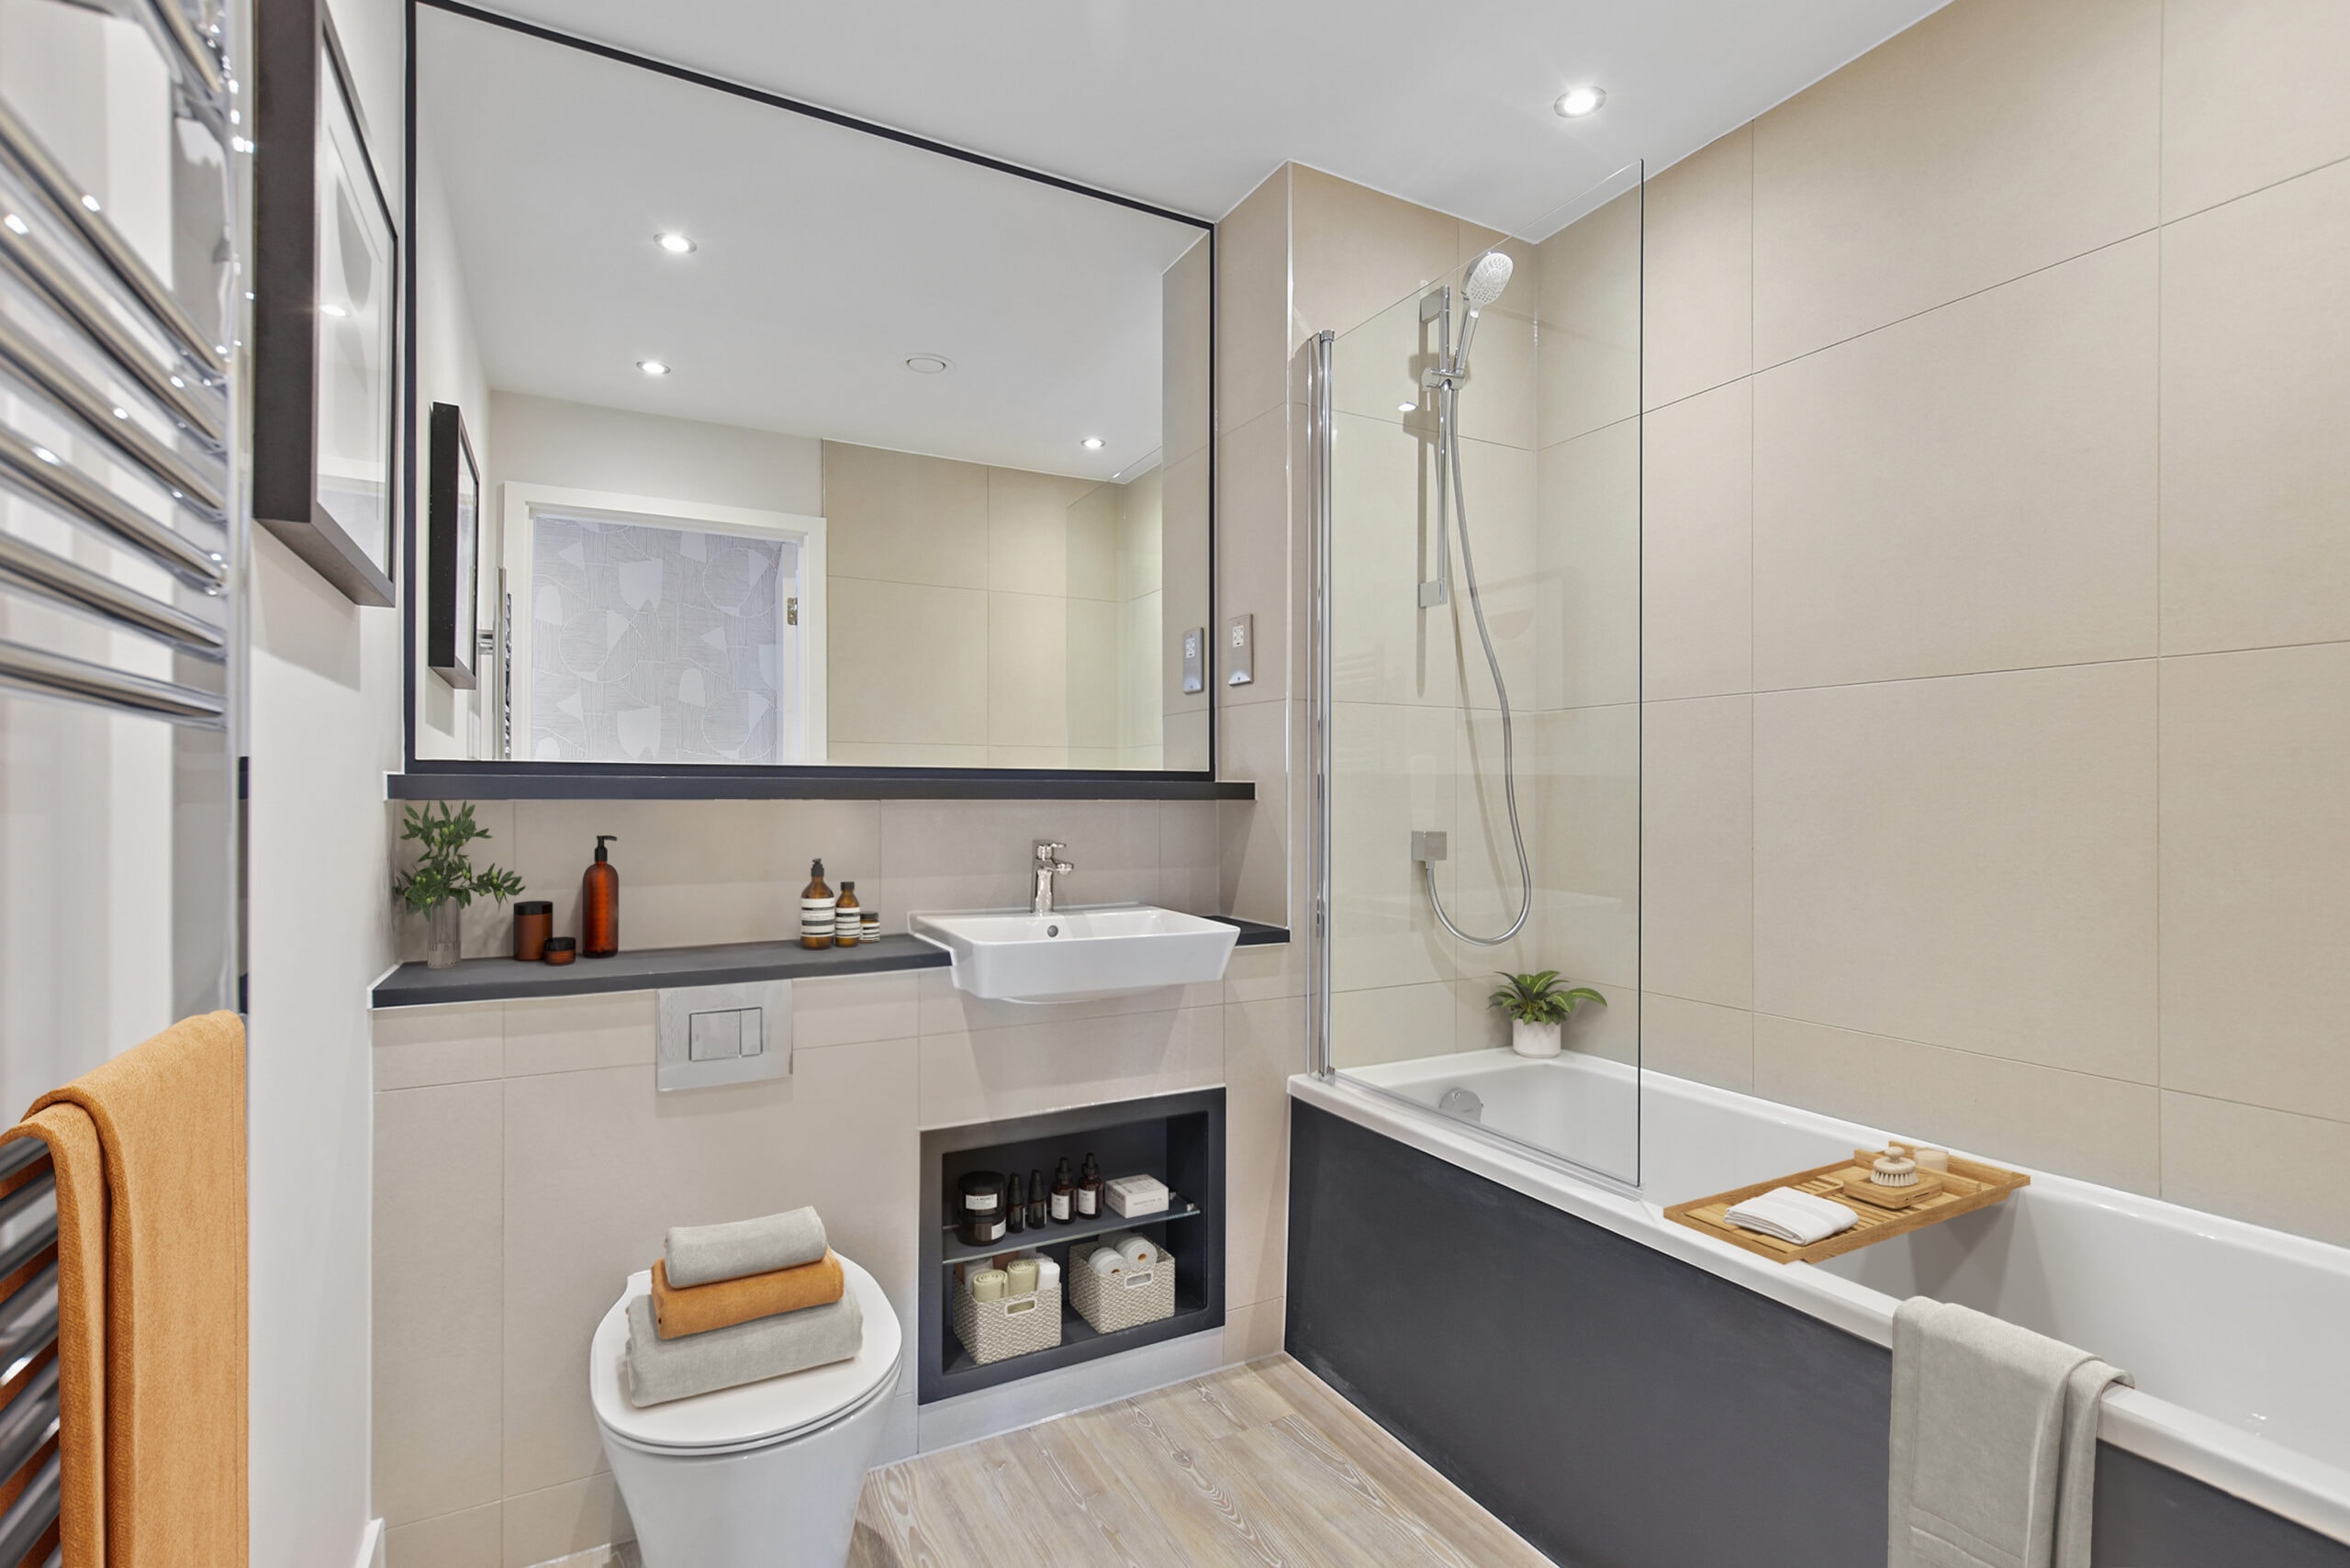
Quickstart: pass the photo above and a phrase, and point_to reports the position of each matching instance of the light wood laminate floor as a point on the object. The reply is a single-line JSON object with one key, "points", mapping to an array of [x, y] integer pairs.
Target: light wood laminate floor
{"points": [[1261, 1465]]}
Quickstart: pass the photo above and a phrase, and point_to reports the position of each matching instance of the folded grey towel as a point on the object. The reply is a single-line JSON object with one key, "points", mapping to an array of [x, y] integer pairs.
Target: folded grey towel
{"points": [[701, 1254], [661, 1369]]}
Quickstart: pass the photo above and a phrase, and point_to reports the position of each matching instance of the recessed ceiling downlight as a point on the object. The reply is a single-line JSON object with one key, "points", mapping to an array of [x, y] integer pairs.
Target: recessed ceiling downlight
{"points": [[929, 364], [1577, 102], [653, 366], [676, 244], [1091, 444]]}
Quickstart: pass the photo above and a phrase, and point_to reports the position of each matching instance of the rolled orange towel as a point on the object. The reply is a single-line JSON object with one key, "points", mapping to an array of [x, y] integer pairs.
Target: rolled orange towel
{"points": [[696, 1309]]}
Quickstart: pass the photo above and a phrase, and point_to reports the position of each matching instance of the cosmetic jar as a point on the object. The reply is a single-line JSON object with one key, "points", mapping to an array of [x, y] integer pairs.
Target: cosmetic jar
{"points": [[533, 924], [979, 1217], [560, 949]]}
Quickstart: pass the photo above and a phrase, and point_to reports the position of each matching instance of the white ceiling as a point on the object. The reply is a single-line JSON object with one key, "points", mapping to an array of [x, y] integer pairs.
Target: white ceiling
{"points": [[1190, 104], [829, 256]]}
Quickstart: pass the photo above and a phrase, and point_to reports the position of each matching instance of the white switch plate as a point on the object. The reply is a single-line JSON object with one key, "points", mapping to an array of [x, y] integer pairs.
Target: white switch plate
{"points": [[707, 1036], [1195, 658]]}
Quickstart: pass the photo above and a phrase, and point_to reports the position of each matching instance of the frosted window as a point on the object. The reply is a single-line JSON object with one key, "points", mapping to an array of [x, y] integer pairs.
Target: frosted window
{"points": [[655, 645]]}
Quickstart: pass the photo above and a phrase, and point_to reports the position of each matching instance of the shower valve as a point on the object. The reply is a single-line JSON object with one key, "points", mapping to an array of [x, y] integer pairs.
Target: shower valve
{"points": [[1430, 847]]}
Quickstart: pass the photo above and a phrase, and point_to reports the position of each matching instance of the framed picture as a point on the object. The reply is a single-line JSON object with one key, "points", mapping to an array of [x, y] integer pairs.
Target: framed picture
{"points": [[453, 639], [326, 311]]}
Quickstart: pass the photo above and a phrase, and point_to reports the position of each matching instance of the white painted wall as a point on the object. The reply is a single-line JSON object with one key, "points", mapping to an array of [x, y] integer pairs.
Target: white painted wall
{"points": [[325, 692], [544, 441]]}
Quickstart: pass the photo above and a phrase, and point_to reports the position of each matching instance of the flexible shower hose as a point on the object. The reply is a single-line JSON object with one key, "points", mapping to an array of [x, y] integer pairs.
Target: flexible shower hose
{"points": [[1450, 434]]}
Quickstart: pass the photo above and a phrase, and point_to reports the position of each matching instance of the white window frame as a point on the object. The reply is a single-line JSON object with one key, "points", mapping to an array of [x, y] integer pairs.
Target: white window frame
{"points": [[520, 504]]}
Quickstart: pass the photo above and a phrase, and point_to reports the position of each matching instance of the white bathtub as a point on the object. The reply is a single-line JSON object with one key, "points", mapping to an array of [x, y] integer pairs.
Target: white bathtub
{"points": [[2238, 1336]]}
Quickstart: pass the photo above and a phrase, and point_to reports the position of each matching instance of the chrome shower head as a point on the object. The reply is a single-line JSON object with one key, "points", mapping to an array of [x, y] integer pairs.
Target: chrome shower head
{"points": [[1487, 279]]}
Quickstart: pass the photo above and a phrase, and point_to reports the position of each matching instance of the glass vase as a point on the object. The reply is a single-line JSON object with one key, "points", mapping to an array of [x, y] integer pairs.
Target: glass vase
{"points": [[441, 935]]}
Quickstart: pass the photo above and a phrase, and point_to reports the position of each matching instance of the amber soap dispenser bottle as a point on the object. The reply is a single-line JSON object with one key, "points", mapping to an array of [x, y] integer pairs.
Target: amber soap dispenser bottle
{"points": [[600, 905]]}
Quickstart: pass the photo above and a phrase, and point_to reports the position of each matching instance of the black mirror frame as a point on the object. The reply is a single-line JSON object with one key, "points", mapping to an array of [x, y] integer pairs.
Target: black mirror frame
{"points": [[432, 778]]}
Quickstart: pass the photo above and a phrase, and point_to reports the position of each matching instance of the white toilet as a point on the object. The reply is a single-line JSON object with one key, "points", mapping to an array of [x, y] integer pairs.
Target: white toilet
{"points": [[762, 1476]]}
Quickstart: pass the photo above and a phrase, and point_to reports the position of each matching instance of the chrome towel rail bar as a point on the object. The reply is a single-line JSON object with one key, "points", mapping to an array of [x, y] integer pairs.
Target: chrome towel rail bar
{"points": [[54, 674], [43, 372], [48, 477], [69, 582]]}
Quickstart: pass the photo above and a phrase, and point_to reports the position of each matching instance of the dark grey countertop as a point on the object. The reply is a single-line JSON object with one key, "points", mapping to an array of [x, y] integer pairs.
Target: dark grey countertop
{"points": [[649, 968]]}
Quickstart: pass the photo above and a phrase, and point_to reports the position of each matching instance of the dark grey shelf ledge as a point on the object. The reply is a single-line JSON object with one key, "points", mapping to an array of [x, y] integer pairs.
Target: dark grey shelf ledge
{"points": [[626, 781], [649, 968]]}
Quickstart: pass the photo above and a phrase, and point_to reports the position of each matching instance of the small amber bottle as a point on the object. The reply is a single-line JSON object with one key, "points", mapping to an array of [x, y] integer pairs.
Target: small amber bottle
{"points": [[600, 905], [816, 909], [848, 923]]}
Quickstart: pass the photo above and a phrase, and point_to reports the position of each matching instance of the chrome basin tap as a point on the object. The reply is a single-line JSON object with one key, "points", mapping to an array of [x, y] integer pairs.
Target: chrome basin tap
{"points": [[1048, 865]]}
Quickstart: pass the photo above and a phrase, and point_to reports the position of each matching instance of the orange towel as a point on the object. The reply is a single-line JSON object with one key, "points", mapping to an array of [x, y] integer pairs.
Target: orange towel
{"points": [[150, 1153], [696, 1309]]}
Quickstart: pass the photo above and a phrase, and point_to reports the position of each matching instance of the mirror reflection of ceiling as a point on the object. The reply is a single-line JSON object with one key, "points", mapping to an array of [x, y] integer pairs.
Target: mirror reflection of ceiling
{"points": [[826, 258], [1190, 105]]}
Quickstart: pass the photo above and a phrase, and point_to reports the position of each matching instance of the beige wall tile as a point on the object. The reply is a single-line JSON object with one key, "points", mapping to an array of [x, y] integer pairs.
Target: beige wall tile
{"points": [[1698, 287], [419, 1045], [1264, 1044], [2256, 853], [1375, 368], [2269, 1167], [1391, 773], [438, 1218], [2256, 468], [473, 1538], [599, 1166], [1261, 974], [1254, 1332], [1384, 647], [1697, 1041], [1500, 396], [1585, 776], [1142, 522], [1097, 522], [1590, 301], [1185, 316], [1994, 137], [1972, 489], [1252, 325], [947, 855], [896, 517], [848, 1010], [1253, 549], [1188, 857], [1697, 545], [1092, 656], [2252, 93], [556, 1521], [1482, 888], [1396, 1023], [916, 679], [2076, 1124], [1027, 670], [699, 871], [1504, 521], [891, 754], [1359, 250], [1255, 744], [567, 1033], [1968, 862], [1049, 1065], [1589, 556], [1611, 1031], [1183, 541], [1029, 533], [1477, 1023], [1697, 849]]}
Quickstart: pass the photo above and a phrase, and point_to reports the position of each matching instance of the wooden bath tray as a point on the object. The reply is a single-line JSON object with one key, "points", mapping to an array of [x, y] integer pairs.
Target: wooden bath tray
{"points": [[1969, 1186]]}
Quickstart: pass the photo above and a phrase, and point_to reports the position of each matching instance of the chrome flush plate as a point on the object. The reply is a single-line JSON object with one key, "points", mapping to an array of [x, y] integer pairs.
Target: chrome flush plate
{"points": [[709, 1035]]}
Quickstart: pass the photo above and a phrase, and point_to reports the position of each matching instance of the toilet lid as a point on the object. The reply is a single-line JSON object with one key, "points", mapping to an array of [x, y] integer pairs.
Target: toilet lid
{"points": [[755, 1413]]}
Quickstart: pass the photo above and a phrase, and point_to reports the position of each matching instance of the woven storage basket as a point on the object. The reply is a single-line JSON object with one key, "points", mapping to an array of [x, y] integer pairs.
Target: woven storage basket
{"points": [[1127, 1301], [996, 1331]]}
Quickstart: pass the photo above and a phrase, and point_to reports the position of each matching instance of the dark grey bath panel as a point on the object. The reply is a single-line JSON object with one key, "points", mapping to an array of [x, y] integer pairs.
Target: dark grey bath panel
{"points": [[1621, 1409]]}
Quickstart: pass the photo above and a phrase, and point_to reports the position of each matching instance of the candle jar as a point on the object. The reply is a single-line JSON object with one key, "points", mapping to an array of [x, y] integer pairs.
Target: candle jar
{"points": [[979, 1217], [533, 924]]}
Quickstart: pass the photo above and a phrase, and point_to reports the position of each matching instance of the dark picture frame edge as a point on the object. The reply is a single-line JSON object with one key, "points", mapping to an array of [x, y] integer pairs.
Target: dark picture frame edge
{"points": [[452, 635], [290, 39]]}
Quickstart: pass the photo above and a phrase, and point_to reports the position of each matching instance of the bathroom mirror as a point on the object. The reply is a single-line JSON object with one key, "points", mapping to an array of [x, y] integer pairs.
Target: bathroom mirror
{"points": [[801, 444]]}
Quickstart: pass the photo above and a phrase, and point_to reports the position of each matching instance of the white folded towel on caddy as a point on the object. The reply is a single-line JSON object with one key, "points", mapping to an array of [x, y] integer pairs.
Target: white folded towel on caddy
{"points": [[1791, 1216]]}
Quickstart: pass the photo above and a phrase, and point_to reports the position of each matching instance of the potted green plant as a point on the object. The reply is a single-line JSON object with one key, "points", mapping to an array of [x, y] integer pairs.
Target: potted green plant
{"points": [[1536, 1004], [443, 880]]}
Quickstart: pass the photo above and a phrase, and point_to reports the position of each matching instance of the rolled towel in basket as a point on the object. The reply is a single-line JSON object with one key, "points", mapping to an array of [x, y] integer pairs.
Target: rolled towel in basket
{"points": [[698, 1309], [699, 1254], [658, 1369], [1106, 1261], [1790, 1216], [1137, 1252]]}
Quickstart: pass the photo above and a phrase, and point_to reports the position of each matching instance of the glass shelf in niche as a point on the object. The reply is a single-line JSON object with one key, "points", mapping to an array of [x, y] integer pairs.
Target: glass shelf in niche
{"points": [[1178, 1207]]}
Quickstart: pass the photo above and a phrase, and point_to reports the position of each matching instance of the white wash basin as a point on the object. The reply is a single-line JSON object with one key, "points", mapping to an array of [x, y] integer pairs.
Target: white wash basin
{"points": [[1073, 954]]}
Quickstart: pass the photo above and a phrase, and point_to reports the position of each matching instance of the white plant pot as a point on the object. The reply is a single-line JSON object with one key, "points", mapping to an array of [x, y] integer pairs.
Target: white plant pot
{"points": [[1533, 1039]]}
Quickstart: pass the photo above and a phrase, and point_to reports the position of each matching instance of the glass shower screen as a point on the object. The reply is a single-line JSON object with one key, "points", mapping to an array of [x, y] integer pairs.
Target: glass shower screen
{"points": [[1479, 682]]}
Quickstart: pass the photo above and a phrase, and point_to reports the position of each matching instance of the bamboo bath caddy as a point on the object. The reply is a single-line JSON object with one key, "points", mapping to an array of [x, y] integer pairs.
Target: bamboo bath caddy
{"points": [[1884, 1212]]}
